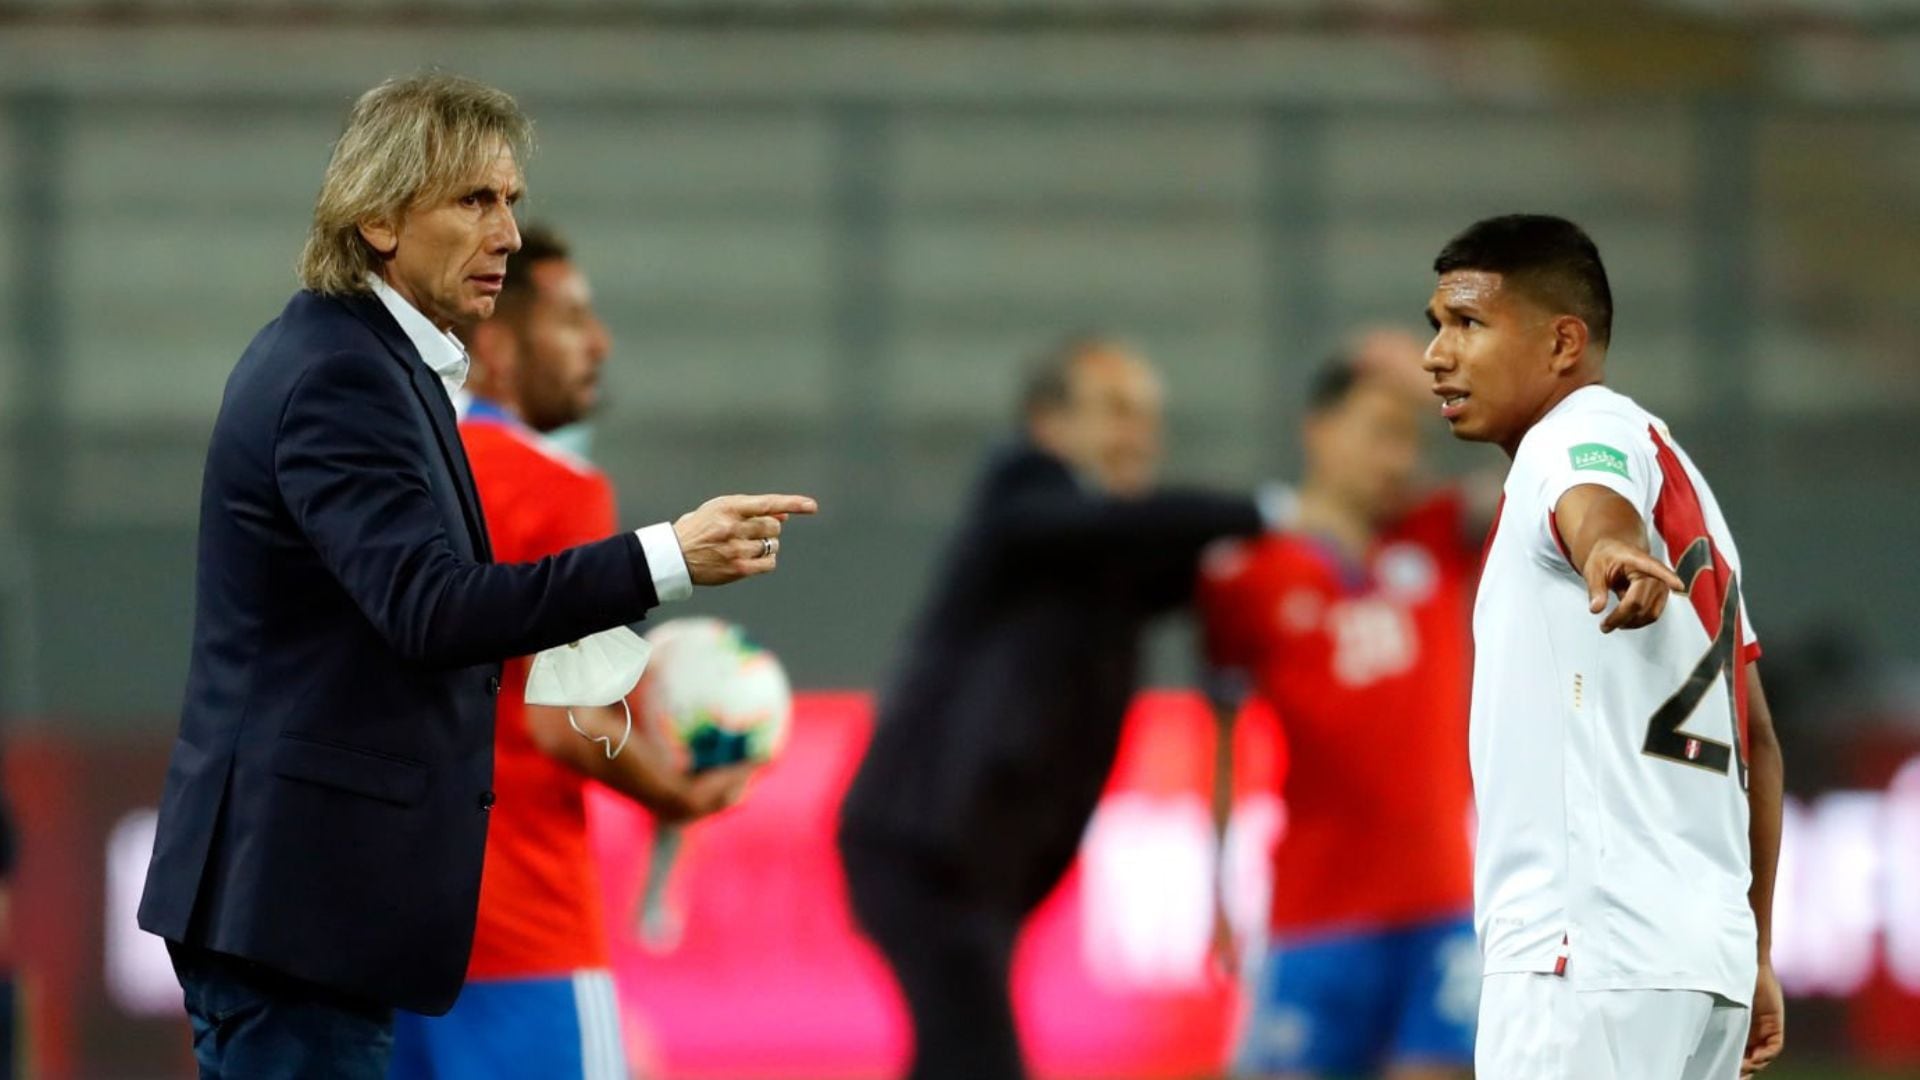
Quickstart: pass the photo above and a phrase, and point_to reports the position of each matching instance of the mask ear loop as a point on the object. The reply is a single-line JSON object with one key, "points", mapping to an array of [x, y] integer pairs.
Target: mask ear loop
{"points": [[606, 741]]}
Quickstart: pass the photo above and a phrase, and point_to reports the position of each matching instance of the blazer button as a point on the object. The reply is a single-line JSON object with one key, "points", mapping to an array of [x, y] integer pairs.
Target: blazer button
{"points": [[493, 685], [486, 800]]}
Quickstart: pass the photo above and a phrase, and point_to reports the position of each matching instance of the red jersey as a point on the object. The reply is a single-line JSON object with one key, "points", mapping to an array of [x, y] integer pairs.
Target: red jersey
{"points": [[540, 908], [1369, 668]]}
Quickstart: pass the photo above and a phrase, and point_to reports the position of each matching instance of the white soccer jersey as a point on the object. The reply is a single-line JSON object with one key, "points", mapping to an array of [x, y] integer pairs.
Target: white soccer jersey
{"points": [[1609, 770]]}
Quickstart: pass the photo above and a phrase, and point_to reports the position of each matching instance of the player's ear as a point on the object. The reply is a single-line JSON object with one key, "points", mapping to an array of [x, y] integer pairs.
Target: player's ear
{"points": [[1569, 342], [495, 352], [1313, 433], [1043, 427]]}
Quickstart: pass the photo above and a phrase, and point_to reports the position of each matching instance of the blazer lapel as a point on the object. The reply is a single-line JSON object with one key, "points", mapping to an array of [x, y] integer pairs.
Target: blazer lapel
{"points": [[433, 394], [433, 397]]}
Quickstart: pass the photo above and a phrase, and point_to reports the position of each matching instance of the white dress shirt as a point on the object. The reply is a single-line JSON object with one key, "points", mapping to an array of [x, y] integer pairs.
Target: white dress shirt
{"points": [[444, 353]]}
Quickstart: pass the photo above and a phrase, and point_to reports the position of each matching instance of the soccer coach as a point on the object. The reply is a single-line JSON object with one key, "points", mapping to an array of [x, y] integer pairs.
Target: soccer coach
{"points": [[318, 853]]}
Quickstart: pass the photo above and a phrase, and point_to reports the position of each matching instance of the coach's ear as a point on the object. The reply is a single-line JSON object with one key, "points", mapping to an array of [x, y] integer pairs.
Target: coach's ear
{"points": [[380, 234]]}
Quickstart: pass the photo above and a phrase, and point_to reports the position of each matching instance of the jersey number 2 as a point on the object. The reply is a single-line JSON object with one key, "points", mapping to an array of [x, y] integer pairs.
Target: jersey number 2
{"points": [[1664, 737]]}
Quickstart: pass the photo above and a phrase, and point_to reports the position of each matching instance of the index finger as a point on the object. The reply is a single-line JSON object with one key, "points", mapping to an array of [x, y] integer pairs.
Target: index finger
{"points": [[1643, 563], [769, 505]]}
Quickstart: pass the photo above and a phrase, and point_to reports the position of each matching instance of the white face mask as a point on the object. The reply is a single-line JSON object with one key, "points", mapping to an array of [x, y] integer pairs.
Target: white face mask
{"points": [[599, 669]]}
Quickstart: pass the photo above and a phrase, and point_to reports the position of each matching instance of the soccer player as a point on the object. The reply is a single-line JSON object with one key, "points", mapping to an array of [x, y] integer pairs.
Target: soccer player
{"points": [[539, 996], [1624, 759], [1352, 624]]}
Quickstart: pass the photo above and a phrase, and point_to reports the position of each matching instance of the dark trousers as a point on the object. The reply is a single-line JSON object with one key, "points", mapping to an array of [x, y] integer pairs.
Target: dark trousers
{"points": [[952, 955], [253, 1023]]}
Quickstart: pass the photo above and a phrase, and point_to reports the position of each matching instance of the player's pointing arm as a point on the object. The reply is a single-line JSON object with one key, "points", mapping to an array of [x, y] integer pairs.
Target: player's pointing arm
{"points": [[1606, 539]]}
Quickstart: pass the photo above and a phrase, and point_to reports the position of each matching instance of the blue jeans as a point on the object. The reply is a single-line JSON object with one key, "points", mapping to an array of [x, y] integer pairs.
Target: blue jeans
{"points": [[253, 1023]]}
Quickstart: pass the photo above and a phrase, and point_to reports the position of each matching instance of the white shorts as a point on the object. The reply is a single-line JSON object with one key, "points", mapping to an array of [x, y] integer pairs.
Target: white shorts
{"points": [[1538, 1027]]}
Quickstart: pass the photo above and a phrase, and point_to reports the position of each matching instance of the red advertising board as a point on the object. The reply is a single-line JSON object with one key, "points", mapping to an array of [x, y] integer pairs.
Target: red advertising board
{"points": [[767, 977]]}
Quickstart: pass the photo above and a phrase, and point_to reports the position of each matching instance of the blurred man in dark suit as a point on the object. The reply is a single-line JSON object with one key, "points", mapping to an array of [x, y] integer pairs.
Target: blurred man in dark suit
{"points": [[1003, 719], [317, 859]]}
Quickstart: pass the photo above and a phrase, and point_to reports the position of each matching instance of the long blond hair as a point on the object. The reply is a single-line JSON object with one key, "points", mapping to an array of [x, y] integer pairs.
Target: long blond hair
{"points": [[408, 141]]}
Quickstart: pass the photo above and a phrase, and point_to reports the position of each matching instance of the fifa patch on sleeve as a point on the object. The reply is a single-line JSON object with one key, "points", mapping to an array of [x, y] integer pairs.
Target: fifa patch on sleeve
{"points": [[1598, 457]]}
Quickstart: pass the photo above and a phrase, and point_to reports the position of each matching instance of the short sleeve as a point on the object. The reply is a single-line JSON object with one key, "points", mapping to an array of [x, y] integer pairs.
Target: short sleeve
{"points": [[1749, 639], [1567, 452], [1228, 580]]}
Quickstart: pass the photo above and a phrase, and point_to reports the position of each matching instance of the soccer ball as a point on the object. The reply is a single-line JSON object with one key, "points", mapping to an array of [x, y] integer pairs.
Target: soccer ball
{"points": [[712, 691]]}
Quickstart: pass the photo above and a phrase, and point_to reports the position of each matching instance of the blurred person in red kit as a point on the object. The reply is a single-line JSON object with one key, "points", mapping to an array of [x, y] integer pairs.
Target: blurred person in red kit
{"points": [[1352, 624], [539, 998]]}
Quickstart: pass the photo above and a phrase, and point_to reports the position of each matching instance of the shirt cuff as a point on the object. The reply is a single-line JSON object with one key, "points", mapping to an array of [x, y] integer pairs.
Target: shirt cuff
{"points": [[1279, 506], [669, 568]]}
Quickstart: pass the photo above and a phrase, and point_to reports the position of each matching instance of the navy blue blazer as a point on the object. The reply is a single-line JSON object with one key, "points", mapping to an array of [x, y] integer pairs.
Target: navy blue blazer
{"points": [[326, 805]]}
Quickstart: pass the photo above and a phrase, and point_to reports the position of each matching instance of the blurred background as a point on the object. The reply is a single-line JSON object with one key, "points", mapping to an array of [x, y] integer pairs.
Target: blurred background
{"points": [[826, 237]]}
